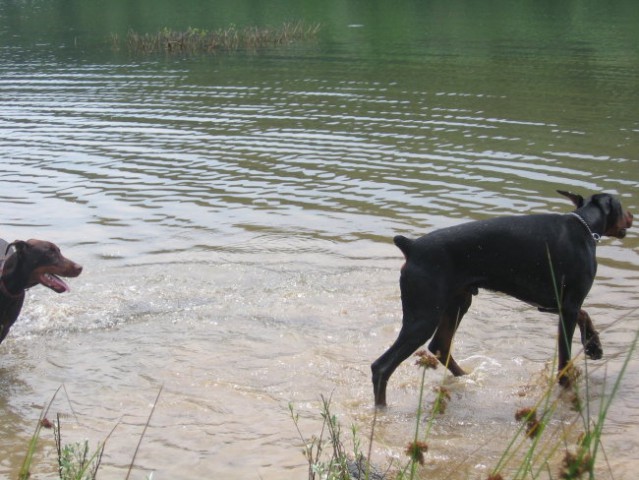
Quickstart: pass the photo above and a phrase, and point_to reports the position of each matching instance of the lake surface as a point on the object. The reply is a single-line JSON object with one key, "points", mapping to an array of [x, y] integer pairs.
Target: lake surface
{"points": [[234, 214]]}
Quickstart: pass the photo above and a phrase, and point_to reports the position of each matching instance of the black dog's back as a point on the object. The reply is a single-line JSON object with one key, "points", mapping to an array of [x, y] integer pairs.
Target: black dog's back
{"points": [[511, 254]]}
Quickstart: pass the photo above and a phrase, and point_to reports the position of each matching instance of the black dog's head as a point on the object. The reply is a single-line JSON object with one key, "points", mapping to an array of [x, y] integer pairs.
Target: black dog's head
{"points": [[616, 220]]}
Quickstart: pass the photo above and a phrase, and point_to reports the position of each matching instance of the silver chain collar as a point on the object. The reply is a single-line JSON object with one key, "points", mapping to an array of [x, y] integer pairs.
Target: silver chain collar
{"points": [[595, 236]]}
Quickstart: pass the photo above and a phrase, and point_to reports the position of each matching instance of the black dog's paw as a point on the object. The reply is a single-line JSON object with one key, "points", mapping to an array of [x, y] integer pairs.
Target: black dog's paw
{"points": [[592, 347]]}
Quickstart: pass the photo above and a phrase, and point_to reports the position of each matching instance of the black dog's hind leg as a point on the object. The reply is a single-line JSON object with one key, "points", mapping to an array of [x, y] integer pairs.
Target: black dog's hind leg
{"points": [[416, 329], [440, 344]]}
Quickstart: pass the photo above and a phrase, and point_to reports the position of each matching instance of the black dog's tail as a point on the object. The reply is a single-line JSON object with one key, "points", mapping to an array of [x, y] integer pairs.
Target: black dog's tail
{"points": [[404, 244]]}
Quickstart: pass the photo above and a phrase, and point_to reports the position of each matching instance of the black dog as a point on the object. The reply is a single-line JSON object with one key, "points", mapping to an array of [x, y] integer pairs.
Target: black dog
{"points": [[34, 262], [513, 255]]}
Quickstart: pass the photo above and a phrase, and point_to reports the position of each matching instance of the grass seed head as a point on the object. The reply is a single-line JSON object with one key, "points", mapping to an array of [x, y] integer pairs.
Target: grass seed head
{"points": [[426, 360], [529, 415], [575, 465], [415, 450], [441, 402]]}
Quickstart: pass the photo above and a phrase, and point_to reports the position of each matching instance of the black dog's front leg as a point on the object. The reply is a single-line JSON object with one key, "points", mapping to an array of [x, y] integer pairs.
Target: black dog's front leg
{"points": [[589, 336], [567, 324]]}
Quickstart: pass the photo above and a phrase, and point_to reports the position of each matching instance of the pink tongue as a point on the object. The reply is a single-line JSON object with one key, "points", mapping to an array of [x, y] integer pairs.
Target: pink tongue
{"points": [[54, 282]]}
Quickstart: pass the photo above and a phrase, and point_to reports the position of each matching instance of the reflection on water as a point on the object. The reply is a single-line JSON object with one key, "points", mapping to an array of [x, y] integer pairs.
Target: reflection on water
{"points": [[234, 216]]}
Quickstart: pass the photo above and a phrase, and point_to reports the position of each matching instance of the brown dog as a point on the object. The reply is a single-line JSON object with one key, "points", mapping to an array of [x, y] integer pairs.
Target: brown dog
{"points": [[34, 262]]}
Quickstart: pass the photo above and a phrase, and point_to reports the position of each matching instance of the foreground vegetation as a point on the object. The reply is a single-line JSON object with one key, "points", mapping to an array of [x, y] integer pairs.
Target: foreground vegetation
{"points": [[535, 447], [194, 40], [76, 461]]}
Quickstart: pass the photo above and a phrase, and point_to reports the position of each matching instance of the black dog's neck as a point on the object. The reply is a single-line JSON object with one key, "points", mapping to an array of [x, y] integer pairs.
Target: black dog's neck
{"points": [[591, 225]]}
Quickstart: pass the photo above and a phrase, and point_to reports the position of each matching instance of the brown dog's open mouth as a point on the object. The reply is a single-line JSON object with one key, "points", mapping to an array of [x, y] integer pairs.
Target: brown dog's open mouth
{"points": [[54, 282]]}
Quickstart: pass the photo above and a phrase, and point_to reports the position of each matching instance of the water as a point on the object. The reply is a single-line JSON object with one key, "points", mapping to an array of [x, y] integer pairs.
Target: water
{"points": [[234, 214]]}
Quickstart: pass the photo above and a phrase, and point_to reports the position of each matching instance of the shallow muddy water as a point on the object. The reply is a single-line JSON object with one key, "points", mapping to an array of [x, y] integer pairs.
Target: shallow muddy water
{"points": [[234, 215]]}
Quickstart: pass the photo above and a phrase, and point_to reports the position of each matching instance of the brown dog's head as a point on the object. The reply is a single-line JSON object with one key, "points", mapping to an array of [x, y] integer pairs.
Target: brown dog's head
{"points": [[41, 262], [616, 220]]}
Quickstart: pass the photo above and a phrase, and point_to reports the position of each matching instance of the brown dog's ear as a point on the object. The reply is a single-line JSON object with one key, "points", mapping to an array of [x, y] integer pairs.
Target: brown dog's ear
{"points": [[19, 246], [578, 200]]}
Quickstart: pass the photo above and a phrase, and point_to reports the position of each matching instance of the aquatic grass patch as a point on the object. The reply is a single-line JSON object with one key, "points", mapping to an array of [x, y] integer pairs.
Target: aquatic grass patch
{"points": [[332, 465], [76, 461], [326, 455], [229, 39]]}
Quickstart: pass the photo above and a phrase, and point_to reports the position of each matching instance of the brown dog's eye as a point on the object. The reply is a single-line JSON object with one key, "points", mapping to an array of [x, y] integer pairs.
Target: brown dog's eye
{"points": [[50, 253]]}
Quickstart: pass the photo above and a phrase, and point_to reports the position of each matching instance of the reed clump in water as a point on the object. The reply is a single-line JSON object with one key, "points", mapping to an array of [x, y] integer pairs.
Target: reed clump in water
{"points": [[232, 38]]}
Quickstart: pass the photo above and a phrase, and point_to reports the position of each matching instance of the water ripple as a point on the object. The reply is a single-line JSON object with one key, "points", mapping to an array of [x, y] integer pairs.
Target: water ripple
{"points": [[128, 143]]}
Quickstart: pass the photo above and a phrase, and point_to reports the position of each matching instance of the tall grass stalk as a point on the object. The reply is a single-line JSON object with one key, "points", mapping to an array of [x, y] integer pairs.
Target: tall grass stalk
{"points": [[594, 437], [25, 470], [416, 450], [146, 425]]}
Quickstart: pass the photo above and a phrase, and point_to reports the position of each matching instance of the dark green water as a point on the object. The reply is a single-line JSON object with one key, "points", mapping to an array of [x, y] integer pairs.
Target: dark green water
{"points": [[234, 213]]}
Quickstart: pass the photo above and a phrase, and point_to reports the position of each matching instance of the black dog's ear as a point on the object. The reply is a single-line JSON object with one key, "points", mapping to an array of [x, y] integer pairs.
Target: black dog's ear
{"points": [[605, 203], [19, 246], [578, 200]]}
